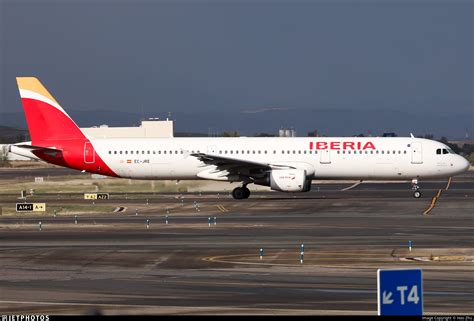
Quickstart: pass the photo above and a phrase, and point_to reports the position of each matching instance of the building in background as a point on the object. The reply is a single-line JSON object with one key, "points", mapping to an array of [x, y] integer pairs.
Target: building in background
{"points": [[151, 128], [287, 132]]}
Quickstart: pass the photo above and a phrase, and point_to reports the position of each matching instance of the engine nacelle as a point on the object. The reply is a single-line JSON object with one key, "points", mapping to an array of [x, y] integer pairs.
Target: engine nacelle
{"points": [[287, 180]]}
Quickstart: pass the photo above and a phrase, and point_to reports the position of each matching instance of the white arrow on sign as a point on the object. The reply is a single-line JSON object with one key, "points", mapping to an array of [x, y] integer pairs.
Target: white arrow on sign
{"points": [[386, 298]]}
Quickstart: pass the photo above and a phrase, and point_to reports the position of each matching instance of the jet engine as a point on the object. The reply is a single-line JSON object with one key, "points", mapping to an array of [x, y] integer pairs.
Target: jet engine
{"points": [[286, 180]]}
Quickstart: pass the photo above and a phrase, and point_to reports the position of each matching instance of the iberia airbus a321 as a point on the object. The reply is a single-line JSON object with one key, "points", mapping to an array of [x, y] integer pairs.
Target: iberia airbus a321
{"points": [[283, 164]]}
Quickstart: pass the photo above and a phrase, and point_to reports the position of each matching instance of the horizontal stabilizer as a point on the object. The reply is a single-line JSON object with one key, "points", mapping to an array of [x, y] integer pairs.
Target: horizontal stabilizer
{"points": [[38, 148]]}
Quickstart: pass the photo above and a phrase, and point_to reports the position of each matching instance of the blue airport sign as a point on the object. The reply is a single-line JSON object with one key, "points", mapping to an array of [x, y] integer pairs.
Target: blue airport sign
{"points": [[400, 292]]}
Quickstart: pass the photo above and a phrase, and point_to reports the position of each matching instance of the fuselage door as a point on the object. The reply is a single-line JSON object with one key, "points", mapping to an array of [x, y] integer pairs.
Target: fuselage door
{"points": [[416, 153], [89, 153], [325, 157]]}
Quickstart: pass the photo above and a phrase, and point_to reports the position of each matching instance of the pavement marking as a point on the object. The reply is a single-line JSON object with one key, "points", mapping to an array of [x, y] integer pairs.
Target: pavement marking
{"points": [[352, 186], [222, 208], [449, 184], [433, 203]]}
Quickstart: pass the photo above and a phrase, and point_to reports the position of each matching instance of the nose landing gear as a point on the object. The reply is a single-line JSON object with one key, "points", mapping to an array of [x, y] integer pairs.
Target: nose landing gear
{"points": [[415, 188]]}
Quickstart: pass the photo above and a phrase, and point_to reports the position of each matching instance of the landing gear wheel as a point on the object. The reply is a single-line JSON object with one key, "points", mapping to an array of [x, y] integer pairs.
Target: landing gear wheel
{"points": [[246, 191], [417, 194], [238, 193]]}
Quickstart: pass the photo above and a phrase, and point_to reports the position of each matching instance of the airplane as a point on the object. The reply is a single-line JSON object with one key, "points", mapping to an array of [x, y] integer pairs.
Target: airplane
{"points": [[283, 164]]}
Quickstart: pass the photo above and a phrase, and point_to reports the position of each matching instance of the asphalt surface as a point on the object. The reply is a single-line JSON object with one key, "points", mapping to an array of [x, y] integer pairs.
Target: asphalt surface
{"points": [[112, 263]]}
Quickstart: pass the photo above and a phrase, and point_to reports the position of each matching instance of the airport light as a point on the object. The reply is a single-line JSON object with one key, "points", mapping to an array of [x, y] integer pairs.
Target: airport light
{"points": [[261, 253], [215, 220], [302, 253], [75, 219], [166, 219], [40, 226], [147, 223], [410, 244]]}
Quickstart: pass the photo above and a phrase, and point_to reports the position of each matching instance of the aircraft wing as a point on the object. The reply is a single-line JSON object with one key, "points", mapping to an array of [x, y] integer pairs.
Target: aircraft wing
{"points": [[235, 163]]}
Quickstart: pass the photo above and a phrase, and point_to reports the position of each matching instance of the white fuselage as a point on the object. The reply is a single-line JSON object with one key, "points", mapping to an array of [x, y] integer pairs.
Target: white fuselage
{"points": [[321, 157]]}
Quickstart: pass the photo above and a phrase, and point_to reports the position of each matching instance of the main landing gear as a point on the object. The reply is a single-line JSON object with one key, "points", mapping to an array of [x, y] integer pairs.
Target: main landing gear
{"points": [[415, 188], [241, 192]]}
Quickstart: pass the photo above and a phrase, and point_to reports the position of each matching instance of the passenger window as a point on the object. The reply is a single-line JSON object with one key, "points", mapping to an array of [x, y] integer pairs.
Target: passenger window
{"points": [[164, 152], [120, 152], [115, 152], [304, 152], [126, 152], [338, 152], [382, 152]]}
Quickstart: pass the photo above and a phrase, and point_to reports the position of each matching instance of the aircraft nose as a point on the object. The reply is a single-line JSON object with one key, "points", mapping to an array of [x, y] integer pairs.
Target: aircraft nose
{"points": [[461, 164], [465, 164]]}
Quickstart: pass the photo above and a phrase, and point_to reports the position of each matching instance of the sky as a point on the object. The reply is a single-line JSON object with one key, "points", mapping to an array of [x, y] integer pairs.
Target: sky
{"points": [[170, 56]]}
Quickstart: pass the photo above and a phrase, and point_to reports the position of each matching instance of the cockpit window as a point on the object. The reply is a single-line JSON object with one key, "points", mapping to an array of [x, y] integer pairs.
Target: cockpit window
{"points": [[438, 151], [445, 151], [450, 151]]}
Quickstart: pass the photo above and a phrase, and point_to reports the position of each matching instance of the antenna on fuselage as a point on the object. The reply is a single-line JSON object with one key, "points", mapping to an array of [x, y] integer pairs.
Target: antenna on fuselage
{"points": [[411, 135]]}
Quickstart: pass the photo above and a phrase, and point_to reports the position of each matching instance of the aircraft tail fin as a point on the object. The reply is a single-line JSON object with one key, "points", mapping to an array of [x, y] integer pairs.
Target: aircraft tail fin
{"points": [[47, 120]]}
